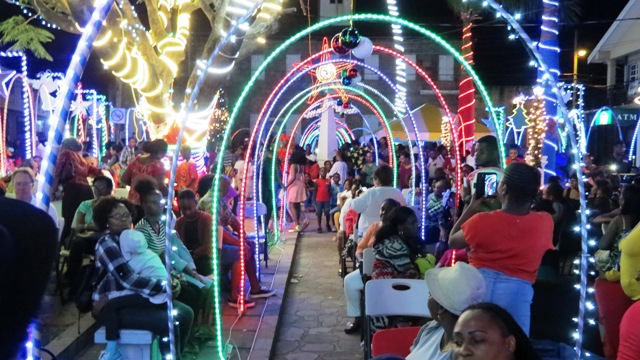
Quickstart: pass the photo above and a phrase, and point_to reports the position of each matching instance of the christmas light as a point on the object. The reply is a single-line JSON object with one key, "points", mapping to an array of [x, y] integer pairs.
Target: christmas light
{"points": [[536, 133]]}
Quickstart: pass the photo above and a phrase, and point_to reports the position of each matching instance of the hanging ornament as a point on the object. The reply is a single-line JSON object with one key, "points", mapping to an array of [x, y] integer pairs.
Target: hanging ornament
{"points": [[352, 73], [364, 48], [339, 102], [346, 105], [342, 115], [337, 47], [349, 38], [346, 81]]}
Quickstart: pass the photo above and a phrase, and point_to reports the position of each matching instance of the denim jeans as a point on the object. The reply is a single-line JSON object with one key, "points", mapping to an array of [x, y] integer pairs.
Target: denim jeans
{"points": [[513, 294]]}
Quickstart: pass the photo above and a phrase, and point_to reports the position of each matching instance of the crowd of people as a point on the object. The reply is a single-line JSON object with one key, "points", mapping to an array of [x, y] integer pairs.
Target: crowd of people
{"points": [[501, 227]]}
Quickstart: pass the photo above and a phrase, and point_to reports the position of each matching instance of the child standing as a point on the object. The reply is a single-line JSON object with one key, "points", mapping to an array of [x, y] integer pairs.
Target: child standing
{"points": [[336, 188], [310, 187], [322, 187]]}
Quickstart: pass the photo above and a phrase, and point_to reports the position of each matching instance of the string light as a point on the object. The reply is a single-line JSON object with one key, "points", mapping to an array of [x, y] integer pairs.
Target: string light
{"points": [[27, 101], [536, 133]]}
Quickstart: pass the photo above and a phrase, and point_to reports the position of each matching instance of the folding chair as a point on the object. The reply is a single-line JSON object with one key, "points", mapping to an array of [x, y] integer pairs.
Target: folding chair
{"points": [[393, 297]]}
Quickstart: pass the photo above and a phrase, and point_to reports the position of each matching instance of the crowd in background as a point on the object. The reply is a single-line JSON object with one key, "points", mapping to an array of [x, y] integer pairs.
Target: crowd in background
{"points": [[506, 236]]}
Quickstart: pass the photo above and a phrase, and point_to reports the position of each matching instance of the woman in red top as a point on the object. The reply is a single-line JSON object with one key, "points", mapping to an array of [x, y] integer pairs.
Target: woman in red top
{"points": [[72, 172], [507, 245], [149, 164]]}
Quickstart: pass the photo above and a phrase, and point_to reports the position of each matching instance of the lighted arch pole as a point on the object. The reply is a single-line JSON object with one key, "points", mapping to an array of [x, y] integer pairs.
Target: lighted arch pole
{"points": [[290, 41], [549, 82]]}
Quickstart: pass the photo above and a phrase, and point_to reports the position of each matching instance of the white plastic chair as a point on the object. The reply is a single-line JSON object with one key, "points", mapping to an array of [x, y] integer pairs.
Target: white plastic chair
{"points": [[367, 261], [393, 297]]}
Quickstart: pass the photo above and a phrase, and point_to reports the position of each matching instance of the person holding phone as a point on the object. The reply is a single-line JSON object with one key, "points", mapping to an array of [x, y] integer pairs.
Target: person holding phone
{"points": [[507, 245], [487, 161]]}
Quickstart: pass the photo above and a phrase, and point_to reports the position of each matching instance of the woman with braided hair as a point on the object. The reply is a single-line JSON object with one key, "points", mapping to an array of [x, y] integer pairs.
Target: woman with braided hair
{"points": [[507, 245]]}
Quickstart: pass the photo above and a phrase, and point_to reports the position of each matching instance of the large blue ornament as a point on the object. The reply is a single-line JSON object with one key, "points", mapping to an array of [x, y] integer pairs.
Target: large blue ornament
{"points": [[339, 102], [346, 81], [349, 38]]}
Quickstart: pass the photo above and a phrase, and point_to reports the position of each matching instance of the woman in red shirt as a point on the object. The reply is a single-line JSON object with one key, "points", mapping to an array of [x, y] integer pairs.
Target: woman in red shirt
{"points": [[507, 245], [149, 164], [72, 172]]}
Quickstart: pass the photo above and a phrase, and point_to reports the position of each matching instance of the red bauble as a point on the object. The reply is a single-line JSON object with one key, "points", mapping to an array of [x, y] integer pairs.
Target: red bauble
{"points": [[337, 47]]}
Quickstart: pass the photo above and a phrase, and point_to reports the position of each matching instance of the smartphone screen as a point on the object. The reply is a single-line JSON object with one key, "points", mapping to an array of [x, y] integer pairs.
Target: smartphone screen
{"points": [[486, 184], [490, 184]]}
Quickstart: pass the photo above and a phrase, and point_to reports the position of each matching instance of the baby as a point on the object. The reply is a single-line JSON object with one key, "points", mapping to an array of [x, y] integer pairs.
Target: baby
{"points": [[142, 261]]}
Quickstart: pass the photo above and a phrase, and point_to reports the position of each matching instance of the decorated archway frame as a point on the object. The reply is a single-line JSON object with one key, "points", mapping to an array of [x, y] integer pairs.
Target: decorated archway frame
{"points": [[315, 89], [412, 64], [393, 107], [286, 44], [262, 126], [375, 109], [565, 122], [288, 148], [425, 76]]}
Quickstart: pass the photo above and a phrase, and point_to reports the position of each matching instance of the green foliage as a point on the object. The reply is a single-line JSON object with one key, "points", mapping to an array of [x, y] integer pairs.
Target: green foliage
{"points": [[25, 37]]}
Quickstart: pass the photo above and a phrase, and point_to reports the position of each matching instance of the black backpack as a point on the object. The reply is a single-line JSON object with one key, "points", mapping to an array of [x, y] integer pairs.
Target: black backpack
{"points": [[89, 277]]}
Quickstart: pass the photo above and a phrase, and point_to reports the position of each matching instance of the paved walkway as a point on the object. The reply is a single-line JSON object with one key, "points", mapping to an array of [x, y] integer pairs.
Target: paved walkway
{"points": [[313, 318]]}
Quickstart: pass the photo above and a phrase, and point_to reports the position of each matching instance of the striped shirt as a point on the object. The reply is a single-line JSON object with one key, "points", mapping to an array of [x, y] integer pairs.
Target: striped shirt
{"points": [[155, 240], [117, 277], [179, 256]]}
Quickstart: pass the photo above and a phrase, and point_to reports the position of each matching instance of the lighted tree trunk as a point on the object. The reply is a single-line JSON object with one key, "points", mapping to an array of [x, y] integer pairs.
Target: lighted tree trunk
{"points": [[466, 98], [550, 52]]}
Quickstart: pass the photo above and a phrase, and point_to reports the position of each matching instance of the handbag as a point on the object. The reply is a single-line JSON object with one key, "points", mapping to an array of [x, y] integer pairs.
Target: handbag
{"points": [[89, 279]]}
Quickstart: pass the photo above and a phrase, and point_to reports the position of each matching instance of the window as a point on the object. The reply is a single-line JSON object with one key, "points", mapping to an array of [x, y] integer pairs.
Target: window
{"points": [[445, 67], [411, 72], [632, 72], [291, 59], [372, 61], [256, 61]]}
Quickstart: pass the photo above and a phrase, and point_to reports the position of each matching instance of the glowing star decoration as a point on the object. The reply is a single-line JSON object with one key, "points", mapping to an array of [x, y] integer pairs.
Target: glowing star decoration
{"points": [[79, 106], [325, 73], [5, 78]]}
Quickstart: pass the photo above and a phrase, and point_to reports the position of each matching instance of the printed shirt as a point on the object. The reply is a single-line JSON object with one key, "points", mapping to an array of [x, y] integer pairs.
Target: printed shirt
{"points": [[322, 193], [186, 171], [117, 276], [137, 169], [81, 169]]}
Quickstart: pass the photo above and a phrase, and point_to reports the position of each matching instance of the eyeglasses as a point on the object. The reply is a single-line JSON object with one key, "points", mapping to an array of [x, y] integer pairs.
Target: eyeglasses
{"points": [[120, 216]]}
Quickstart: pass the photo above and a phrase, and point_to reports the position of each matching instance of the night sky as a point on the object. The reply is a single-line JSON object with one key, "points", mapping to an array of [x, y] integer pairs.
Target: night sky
{"points": [[498, 60]]}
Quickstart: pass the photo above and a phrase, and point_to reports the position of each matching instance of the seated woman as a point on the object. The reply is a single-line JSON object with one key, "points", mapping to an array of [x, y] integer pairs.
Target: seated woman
{"points": [[154, 230], [451, 290], [395, 247], [85, 233], [353, 284], [487, 331], [112, 216], [507, 245]]}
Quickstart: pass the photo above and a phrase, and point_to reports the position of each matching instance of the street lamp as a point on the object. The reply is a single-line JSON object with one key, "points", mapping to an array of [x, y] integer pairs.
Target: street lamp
{"points": [[576, 54]]}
